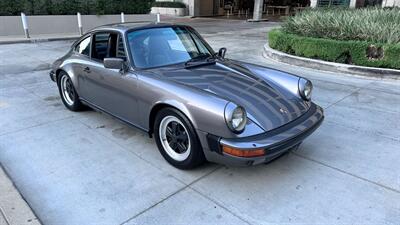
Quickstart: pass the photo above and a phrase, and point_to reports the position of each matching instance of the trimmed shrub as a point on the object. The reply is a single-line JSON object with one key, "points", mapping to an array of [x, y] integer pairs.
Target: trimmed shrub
{"points": [[71, 7], [377, 25], [169, 4], [360, 53]]}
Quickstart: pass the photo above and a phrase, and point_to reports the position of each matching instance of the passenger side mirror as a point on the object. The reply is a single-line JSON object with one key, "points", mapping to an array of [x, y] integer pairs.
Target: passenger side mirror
{"points": [[114, 63], [221, 52]]}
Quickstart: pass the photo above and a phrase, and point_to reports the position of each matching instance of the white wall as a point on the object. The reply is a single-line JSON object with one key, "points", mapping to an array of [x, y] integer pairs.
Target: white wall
{"points": [[390, 3], [169, 11], [198, 7], [190, 5], [68, 24]]}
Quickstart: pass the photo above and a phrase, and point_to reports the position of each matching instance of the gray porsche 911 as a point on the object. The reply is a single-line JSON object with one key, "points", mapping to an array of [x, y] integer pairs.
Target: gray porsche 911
{"points": [[200, 106]]}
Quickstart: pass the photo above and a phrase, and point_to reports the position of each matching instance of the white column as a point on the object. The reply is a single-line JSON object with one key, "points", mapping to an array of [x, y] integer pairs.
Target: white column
{"points": [[352, 3], [314, 3], [257, 13], [25, 24], [191, 5]]}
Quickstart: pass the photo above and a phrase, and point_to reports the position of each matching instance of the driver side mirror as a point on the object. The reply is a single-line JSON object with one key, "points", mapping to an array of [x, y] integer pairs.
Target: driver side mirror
{"points": [[221, 52], [114, 63]]}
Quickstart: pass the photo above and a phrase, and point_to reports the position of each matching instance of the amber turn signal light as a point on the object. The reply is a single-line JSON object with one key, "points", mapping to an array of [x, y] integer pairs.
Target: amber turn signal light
{"points": [[243, 152]]}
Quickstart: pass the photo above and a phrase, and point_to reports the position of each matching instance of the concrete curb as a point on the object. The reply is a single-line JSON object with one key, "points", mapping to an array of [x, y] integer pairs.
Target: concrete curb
{"points": [[268, 52], [35, 40], [14, 209]]}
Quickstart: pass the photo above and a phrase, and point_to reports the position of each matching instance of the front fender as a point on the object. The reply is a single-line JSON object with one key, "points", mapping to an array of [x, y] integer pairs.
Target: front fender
{"points": [[178, 105]]}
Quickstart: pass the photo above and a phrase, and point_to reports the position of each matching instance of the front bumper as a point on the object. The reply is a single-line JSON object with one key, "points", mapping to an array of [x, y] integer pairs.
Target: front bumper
{"points": [[274, 142], [52, 75]]}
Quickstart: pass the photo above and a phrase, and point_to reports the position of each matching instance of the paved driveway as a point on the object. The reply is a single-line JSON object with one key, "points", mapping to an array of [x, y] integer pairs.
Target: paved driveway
{"points": [[87, 168]]}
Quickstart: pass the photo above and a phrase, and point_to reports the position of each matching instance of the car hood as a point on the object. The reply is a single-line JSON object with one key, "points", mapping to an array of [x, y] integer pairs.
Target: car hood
{"points": [[267, 104]]}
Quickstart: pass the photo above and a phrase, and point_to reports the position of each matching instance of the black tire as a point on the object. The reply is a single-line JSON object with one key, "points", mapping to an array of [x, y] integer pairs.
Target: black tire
{"points": [[195, 156], [72, 102]]}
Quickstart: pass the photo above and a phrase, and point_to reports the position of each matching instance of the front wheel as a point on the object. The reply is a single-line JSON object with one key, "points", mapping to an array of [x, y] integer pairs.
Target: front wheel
{"points": [[68, 94], [177, 140]]}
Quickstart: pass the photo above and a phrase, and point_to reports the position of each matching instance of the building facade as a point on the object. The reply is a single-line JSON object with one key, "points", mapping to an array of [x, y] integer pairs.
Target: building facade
{"points": [[256, 8]]}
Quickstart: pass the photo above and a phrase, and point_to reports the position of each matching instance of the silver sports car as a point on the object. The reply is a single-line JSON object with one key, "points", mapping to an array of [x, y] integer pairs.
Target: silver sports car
{"points": [[200, 106]]}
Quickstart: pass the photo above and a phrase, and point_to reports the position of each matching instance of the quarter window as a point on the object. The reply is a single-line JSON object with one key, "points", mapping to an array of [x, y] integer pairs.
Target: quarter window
{"points": [[120, 48], [83, 47]]}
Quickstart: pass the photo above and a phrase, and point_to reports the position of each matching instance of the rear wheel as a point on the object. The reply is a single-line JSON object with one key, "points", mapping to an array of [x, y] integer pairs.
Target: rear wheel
{"points": [[68, 94], [177, 140]]}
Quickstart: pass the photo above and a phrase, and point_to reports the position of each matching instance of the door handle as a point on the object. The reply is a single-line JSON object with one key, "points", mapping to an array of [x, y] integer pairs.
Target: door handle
{"points": [[87, 69]]}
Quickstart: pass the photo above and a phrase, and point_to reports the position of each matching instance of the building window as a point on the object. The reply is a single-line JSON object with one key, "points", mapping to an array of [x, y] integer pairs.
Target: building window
{"points": [[327, 3]]}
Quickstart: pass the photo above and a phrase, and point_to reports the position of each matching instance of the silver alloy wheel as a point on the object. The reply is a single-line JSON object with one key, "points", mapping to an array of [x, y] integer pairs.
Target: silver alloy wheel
{"points": [[174, 138], [67, 90]]}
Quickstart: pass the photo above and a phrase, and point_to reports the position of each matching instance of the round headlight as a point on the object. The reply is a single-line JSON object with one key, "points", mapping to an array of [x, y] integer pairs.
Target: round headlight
{"points": [[235, 117], [305, 89]]}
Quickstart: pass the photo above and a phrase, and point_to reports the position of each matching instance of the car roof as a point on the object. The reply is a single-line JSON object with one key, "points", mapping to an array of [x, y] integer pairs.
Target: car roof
{"points": [[122, 27]]}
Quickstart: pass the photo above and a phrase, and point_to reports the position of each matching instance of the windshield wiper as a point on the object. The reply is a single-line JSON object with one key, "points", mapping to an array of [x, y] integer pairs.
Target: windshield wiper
{"points": [[204, 59]]}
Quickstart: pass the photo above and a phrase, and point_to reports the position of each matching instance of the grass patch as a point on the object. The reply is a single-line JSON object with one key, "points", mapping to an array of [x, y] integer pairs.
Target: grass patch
{"points": [[362, 53], [376, 25]]}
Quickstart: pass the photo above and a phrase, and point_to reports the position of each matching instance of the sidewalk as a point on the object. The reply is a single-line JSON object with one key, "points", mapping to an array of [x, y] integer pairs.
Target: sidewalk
{"points": [[13, 208], [37, 38]]}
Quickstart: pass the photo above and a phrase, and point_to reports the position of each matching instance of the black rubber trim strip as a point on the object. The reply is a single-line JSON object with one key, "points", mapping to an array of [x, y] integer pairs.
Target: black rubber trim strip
{"points": [[213, 143], [52, 76]]}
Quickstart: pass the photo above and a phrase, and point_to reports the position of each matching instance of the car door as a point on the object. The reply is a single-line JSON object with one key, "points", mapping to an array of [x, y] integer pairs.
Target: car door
{"points": [[80, 61], [111, 90]]}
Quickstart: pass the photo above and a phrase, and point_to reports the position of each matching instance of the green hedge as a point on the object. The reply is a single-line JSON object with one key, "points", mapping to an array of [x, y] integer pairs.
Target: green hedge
{"points": [[360, 53], [71, 7], [169, 4], [376, 25]]}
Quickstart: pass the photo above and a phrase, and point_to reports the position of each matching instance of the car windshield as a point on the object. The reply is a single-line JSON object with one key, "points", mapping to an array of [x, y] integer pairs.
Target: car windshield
{"points": [[165, 46]]}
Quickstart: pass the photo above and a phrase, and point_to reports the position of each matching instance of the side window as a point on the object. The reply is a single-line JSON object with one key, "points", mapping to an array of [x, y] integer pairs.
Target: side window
{"points": [[100, 46], [120, 48], [107, 45], [83, 47]]}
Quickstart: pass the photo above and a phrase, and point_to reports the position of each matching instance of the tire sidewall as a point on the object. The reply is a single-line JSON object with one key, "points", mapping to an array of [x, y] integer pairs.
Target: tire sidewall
{"points": [[76, 106], [196, 156]]}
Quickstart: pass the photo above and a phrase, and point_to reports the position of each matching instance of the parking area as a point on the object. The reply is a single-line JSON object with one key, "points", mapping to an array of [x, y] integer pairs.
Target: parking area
{"points": [[88, 168]]}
